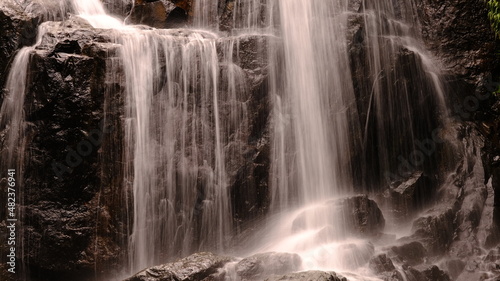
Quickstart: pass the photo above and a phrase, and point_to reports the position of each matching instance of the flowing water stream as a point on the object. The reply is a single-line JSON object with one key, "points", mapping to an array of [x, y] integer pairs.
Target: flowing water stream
{"points": [[177, 121]]}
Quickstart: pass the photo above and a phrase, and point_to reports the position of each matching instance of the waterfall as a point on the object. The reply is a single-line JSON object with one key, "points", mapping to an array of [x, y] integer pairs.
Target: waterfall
{"points": [[183, 98], [316, 125], [180, 190], [174, 134], [174, 139]]}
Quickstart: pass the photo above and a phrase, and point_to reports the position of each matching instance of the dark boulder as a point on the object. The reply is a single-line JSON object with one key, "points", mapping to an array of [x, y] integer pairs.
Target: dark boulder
{"points": [[381, 263], [158, 14], [262, 265], [362, 216], [199, 266], [412, 253]]}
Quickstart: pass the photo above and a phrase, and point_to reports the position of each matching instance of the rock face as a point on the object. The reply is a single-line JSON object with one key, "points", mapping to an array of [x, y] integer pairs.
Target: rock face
{"points": [[200, 266], [469, 55], [71, 209]]}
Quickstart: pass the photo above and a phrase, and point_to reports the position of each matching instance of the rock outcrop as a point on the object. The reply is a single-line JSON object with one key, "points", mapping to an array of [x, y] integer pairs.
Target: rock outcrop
{"points": [[199, 266]]}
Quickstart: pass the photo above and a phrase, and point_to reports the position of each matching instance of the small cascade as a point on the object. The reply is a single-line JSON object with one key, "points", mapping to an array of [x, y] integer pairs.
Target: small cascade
{"points": [[250, 14], [205, 14], [175, 131]]}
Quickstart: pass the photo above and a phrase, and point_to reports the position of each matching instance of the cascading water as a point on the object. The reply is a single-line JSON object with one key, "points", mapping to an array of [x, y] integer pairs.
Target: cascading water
{"points": [[175, 137], [174, 134], [316, 123], [183, 101]]}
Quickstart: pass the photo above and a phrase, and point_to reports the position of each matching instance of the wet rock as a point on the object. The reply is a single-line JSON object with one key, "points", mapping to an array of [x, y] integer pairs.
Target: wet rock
{"points": [[199, 266], [411, 195], [488, 233], [392, 276], [383, 267], [434, 273], [261, 265], [309, 276], [491, 262], [412, 253], [184, 4], [355, 5], [249, 168], [446, 29], [435, 231], [362, 216], [405, 91], [72, 213], [68, 46], [158, 14], [72, 36], [381, 263]]}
